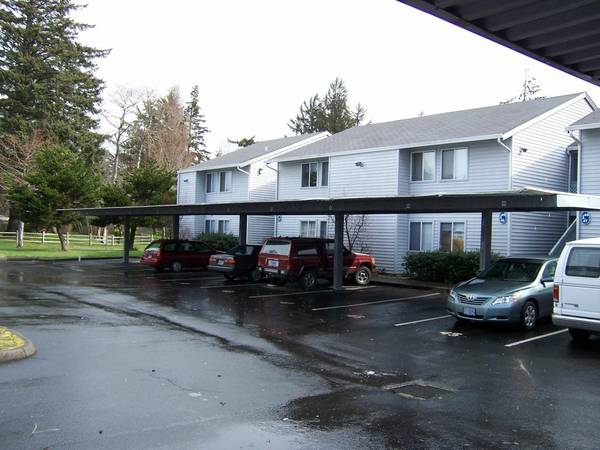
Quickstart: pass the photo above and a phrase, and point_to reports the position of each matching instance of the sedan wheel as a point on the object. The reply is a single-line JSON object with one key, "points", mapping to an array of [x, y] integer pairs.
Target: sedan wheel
{"points": [[176, 266], [308, 280], [255, 275], [529, 315]]}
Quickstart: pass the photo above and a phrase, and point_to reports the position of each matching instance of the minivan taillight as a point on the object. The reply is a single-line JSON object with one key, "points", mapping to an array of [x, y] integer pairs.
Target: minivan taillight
{"points": [[556, 293]]}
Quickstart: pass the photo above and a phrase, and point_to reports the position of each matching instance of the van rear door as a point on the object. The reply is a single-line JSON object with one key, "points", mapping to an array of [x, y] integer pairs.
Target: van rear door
{"points": [[580, 283]]}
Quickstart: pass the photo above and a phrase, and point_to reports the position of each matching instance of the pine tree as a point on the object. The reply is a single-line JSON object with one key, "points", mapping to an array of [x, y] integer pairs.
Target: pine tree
{"points": [[328, 113], [47, 79], [196, 128]]}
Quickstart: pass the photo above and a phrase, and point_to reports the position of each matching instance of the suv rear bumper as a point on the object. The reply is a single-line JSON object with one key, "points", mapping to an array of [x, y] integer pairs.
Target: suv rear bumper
{"points": [[579, 323]]}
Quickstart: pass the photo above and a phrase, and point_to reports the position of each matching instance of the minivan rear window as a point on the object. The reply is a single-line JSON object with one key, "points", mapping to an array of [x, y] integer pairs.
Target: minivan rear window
{"points": [[584, 262], [153, 246], [276, 247]]}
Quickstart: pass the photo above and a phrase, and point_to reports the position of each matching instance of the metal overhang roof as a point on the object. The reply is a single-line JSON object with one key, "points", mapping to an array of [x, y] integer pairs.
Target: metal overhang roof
{"points": [[564, 34], [527, 199]]}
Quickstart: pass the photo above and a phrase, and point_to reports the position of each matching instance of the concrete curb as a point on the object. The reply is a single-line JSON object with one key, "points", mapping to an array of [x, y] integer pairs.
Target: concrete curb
{"points": [[24, 350], [411, 284]]}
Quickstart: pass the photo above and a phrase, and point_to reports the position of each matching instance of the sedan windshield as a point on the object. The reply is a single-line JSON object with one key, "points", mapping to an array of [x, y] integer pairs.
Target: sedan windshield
{"points": [[512, 270]]}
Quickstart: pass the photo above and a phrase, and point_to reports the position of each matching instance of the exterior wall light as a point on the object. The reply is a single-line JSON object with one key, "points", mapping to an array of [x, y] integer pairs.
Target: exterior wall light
{"points": [[359, 164]]}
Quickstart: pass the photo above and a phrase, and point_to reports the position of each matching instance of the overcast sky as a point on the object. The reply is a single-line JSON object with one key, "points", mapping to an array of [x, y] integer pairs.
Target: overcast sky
{"points": [[255, 62]]}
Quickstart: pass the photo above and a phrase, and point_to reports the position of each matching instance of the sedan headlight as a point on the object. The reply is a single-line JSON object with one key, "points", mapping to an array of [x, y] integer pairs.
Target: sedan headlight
{"points": [[452, 296], [507, 298]]}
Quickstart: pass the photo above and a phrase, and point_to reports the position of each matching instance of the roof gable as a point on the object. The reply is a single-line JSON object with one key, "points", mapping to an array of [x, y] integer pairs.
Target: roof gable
{"points": [[588, 122]]}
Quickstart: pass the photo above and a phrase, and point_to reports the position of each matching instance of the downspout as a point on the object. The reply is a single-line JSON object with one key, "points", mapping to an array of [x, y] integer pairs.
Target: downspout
{"points": [[579, 159], [510, 186], [276, 195], [242, 170]]}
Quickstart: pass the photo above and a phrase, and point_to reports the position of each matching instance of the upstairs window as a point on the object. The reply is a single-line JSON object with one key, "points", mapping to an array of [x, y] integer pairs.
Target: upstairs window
{"points": [[422, 166], [218, 181], [315, 174], [455, 164]]}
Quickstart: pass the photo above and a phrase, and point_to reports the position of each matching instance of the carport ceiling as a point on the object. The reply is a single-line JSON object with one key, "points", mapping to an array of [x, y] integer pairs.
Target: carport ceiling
{"points": [[524, 200], [561, 33]]}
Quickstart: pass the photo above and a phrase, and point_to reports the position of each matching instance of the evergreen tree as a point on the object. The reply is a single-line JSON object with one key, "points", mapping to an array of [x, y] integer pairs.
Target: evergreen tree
{"points": [[61, 179], [47, 79], [196, 128], [329, 113]]}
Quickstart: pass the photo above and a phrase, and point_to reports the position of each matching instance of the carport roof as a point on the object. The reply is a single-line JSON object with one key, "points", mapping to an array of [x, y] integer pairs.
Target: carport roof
{"points": [[564, 34], [490, 122], [527, 199]]}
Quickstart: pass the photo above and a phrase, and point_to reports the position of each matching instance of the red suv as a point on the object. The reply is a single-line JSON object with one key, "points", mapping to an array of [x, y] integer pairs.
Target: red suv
{"points": [[306, 259], [177, 254]]}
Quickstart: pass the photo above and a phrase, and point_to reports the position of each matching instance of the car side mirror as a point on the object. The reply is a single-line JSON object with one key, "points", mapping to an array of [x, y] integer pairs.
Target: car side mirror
{"points": [[547, 280]]}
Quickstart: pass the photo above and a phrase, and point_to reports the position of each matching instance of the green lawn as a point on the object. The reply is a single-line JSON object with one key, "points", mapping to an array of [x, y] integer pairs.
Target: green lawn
{"points": [[8, 249]]}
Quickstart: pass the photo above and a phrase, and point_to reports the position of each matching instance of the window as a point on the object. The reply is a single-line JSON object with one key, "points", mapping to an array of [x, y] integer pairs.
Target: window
{"points": [[315, 174], [584, 262], [325, 173], [455, 164], [421, 236], [308, 251], [323, 229], [422, 166], [209, 226], [170, 247], [201, 247], [452, 236], [218, 181], [276, 247], [549, 271], [224, 226], [308, 228]]}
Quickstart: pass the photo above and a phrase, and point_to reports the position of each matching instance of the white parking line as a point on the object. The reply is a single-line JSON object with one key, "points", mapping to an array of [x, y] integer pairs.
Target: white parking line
{"points": [[542, 336], [403, 324], [172, 280], [285, 294], [378, 302]]}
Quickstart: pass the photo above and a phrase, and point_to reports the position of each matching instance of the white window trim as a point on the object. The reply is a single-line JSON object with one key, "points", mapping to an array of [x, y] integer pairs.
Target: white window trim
{"points": [[319, 164], [446, 180], [213, 224], [423, 167], [226, 225], [320, 224], [464, 222], [421, 222]]}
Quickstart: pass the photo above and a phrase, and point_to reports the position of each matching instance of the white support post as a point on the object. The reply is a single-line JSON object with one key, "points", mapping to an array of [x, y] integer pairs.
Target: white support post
{"points": [[43, 237]]}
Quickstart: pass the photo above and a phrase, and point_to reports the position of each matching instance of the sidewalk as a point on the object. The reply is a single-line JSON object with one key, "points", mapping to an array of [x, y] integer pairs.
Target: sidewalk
{"points": [[407, 282]]}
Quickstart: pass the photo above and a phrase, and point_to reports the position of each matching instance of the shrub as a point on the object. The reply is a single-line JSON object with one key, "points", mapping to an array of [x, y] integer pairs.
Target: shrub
{"points": [[442, 267], [219, 241]]}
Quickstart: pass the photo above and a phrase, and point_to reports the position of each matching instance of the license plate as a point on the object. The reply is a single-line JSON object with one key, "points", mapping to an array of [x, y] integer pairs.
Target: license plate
{"points": [[469, 311], [273, 263], [221, 262], [270, 270]]}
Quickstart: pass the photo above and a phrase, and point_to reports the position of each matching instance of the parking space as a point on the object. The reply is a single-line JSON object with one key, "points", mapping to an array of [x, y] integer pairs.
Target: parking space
{"points": [[359, 340]]}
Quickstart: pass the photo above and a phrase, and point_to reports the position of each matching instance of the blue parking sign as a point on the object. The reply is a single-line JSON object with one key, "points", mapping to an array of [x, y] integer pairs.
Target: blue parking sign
{"points": [[502, 217], [586, 218]]}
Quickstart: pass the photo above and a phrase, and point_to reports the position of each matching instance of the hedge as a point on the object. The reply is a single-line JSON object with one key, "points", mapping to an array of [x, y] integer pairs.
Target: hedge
{"points": [[442, 267], [219, 241]]}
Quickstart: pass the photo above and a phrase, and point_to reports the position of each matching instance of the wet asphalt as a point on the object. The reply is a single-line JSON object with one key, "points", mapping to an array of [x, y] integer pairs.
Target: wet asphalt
{"points": [[128, 358]]}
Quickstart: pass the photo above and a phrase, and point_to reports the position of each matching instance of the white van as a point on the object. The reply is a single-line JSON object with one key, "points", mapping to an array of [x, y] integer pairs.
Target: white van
{"points": [[577, 288]]}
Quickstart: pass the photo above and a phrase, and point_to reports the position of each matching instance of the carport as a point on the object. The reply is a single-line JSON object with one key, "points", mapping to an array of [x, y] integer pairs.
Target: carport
{"points": [[524, 200]]}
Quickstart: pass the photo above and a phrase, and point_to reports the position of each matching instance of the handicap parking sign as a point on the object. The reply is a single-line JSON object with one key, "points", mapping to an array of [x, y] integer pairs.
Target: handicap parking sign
{"points": [[586, 218], [502, 217]]}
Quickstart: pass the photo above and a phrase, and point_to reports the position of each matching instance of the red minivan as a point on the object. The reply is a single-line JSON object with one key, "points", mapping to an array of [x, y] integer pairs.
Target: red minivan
{"points": [[306, 259], [177, 254]]}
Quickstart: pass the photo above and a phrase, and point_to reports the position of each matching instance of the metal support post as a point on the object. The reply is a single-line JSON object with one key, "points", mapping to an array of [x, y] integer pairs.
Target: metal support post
{"points": [[126, 240], [243, 233], [485, 248], [338, 255], [175, 227]]}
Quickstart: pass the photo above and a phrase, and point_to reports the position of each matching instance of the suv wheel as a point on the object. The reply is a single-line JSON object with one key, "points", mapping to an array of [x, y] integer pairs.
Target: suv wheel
{"points": [[529, 315], [579, 335], [176, 266], [308, 280], [362, 276]]}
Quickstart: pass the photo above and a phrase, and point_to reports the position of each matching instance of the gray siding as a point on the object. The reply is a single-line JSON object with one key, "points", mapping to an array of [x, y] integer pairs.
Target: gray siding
{"points": [[186, 194], [263, 182], [590, 178], [377, 176], [545, 165]]}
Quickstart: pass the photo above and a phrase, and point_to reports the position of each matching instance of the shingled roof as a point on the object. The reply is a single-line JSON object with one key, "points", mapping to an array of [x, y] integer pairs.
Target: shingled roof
{"points": [[477, 124]]}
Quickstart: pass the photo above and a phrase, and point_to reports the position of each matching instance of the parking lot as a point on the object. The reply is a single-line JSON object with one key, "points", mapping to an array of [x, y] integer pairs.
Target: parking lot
{"points": [[132, 358]]}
